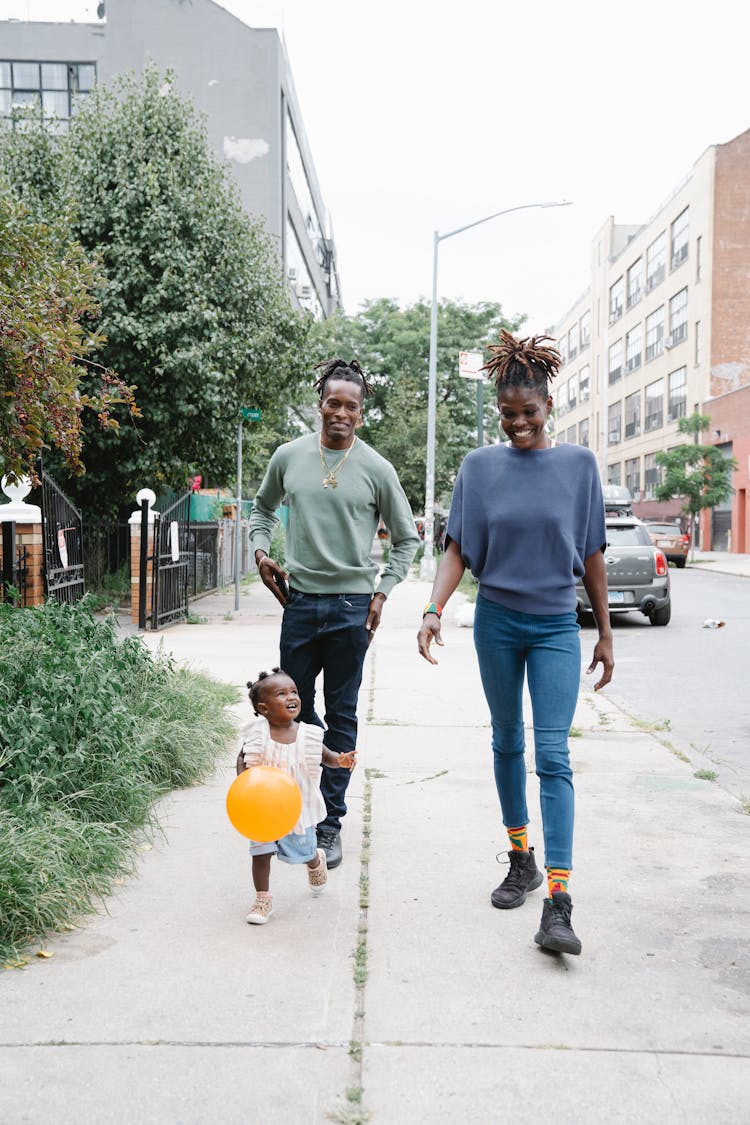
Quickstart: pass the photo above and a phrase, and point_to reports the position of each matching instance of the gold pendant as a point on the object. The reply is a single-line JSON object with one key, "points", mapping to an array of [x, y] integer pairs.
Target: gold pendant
{"points": [[329, 478]]}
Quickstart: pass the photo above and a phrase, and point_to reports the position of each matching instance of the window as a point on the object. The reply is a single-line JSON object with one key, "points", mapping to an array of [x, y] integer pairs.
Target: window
{"points": [[635, 283], [654, 405], [572, 392], [678, 311], [655, 268], [698, 343], [616, 293], [51, 86], [633, 415], [615, 361], [562, 346], [614, 425], [584, 383], [651, 476], [633, 477], [301, 187], [583, 432], [627, 535], [679, 239], [298, 275], [585, 330], [571, 435], [698, 257], [633, 344], [677, 394], [655, 333], [613, 477], [573, 341]]}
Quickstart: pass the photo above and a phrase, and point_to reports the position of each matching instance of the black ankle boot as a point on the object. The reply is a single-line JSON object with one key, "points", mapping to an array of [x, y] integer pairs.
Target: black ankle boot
{"points": [[555, 930], [524, 875]]}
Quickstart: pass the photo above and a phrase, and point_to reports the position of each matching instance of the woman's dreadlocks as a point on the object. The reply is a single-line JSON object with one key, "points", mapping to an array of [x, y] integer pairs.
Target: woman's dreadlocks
{"points": [[528, 362]]}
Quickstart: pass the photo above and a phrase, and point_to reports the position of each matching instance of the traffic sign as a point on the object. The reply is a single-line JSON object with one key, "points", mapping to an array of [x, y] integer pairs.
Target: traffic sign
{"points": [[251, 413], [470, 365]]}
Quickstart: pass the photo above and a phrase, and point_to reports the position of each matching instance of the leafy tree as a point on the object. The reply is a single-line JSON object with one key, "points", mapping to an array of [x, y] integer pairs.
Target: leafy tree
{"points": [[46, 306], [392, 344], [193, 303], [699, 474]]}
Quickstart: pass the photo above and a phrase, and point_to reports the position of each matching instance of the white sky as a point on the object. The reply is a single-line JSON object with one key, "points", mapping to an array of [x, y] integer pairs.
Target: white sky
{"points": [[428, 114]]}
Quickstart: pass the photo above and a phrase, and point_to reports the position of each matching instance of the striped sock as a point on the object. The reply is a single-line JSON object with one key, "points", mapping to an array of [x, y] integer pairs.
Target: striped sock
{"points": [[518, 838], [557, 879]]}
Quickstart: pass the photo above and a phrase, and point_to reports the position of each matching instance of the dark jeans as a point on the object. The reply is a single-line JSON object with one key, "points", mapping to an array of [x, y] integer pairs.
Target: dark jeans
{"points": [[326, 633]]}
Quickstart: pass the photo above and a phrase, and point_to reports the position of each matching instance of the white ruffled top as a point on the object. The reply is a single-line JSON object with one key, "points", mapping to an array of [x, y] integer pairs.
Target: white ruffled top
{"points": [[300, 759]]}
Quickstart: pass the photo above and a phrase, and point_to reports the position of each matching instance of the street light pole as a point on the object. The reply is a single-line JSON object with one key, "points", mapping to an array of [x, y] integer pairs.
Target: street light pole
{"points": [[427, 567]]}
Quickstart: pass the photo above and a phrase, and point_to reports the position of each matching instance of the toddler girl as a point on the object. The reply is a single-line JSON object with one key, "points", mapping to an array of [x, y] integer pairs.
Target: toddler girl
{"points": [[275, 738]]}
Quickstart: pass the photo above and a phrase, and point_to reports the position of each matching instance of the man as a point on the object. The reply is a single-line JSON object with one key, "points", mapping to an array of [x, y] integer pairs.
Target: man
{"points": [[337, 489]]}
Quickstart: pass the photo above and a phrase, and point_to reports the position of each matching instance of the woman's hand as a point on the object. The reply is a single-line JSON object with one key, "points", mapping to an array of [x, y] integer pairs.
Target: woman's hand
{"points": [[602, 655], [429, 631]]}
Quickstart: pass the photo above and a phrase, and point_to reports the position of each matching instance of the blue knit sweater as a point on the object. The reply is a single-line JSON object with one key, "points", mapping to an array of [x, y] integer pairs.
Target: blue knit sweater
{"points": [[525, 521]]}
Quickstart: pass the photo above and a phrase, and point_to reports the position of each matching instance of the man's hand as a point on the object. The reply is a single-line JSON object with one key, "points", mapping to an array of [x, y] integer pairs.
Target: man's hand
{"points": [[274, 577], [348, 760], [373, 617]]}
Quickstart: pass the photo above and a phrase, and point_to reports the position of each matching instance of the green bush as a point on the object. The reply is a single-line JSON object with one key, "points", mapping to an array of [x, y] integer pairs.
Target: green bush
{"points": [[94, 728]]}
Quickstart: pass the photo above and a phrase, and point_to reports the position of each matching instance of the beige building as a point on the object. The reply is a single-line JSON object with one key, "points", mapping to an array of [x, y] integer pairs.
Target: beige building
{"points": [[663, 331]]}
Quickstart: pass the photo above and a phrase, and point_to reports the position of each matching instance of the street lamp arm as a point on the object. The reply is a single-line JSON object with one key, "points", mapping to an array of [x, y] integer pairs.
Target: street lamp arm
{"points": [[496, 214]]}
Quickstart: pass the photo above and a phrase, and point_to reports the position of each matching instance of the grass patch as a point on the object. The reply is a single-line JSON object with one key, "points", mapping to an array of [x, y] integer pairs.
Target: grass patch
{"points": [[575, 732], [745, 802], [94, 728], [649, 726], [706, 775]]}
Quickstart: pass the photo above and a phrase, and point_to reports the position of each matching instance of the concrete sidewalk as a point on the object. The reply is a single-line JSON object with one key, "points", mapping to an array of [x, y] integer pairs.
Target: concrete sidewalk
{"points": [[723, 561], [401, 993]]}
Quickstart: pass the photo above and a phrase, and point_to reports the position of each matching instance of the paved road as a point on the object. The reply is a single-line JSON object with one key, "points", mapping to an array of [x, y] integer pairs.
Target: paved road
{"points": [[694, 680]]}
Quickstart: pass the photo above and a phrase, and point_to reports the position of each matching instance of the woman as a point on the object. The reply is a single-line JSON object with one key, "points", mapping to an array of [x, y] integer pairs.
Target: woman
{"points": [[527, 518]]}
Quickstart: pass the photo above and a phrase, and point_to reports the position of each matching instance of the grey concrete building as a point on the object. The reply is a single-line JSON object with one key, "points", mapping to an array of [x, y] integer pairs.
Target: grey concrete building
{"points": [[237, 76]]}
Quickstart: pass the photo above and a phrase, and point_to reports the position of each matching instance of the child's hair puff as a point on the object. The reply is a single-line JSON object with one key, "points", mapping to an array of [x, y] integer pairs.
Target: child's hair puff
{"points": [[255, 687]]}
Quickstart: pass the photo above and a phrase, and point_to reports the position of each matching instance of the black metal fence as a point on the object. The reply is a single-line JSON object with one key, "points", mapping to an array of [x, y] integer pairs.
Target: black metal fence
{"points": [[62, 543], [14, 568], [170, 563]]}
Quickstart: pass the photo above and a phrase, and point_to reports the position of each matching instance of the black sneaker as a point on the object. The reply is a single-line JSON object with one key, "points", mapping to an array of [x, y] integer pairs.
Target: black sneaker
{"points": [[329, 839], [555, 930], [524, 875]]}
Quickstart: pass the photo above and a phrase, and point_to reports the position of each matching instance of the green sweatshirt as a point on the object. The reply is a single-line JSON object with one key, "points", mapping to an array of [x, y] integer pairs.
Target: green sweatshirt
{"points": [[331, 530]]}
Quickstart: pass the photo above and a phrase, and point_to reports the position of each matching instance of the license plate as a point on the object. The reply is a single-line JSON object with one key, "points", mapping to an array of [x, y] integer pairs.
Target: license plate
{"points": [[616, 596], [663, 542]]}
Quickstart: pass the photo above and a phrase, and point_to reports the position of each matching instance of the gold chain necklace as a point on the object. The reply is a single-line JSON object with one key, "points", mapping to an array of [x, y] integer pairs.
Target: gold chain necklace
{"points": [[330, 477]]}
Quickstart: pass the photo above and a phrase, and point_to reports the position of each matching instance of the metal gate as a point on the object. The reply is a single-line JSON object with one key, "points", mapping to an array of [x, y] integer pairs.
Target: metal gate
{"points": [[14, 568], [171, 563], [62, 542]]}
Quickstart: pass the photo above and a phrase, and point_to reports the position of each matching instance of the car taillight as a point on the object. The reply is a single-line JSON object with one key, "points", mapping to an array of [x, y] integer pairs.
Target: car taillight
{"points": [[685, 538], [661, 563]]}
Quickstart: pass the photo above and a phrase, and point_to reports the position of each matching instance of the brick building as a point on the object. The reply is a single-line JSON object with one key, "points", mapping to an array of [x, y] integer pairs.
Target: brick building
{"points": [[663, 331]]}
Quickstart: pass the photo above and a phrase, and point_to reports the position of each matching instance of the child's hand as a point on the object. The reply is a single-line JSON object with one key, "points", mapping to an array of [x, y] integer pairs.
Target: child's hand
{"points": [[348, 761]]}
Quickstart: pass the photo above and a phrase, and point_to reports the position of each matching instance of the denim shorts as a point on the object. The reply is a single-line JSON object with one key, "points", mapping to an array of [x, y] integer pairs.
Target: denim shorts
{"points": [[290, 848]]}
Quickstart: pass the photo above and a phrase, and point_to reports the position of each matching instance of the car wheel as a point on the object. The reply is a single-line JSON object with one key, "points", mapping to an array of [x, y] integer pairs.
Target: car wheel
{"points": [[679, 563], [661, 616]]}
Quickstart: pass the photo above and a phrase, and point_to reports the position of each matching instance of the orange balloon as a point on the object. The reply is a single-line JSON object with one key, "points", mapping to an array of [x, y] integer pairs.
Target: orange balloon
{"points": [[264, 803]]}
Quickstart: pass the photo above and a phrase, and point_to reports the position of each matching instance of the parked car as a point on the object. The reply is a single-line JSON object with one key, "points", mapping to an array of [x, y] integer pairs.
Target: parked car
{"points": [[637, 573], [669, 537]]}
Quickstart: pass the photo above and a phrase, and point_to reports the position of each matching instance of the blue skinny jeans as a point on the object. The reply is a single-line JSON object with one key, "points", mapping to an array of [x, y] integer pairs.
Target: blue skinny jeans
{"points": [[545, 648], [326, 633]]}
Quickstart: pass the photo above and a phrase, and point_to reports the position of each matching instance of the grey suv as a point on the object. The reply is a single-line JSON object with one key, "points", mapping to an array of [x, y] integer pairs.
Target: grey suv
{"points": [[637, 573]]}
